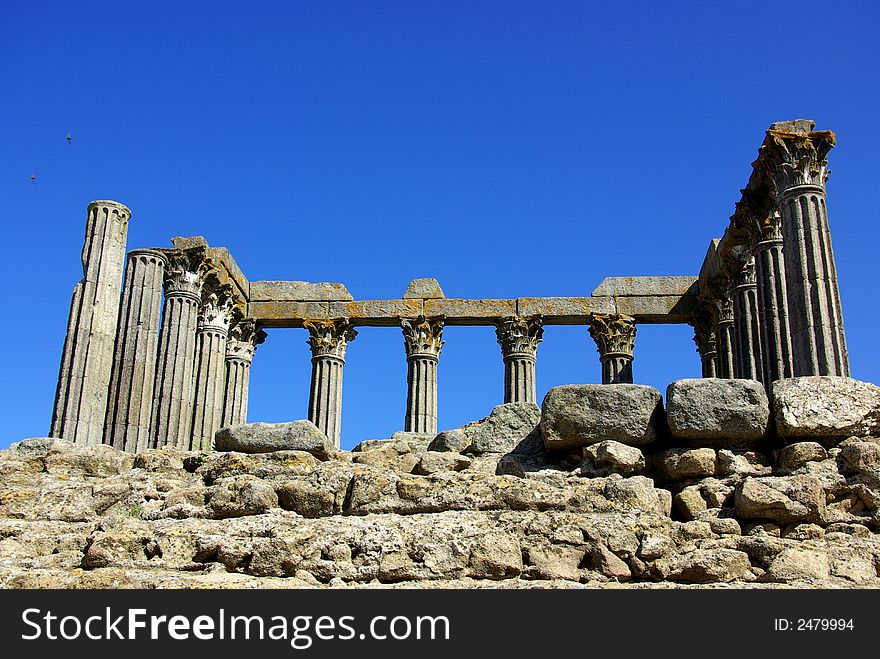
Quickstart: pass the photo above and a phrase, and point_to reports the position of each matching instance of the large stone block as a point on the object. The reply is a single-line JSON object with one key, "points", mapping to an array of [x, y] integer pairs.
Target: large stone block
{"points": [[826, 408], [304, 291], [577, 415], [720, 413], [503, 429], [784, 499], [267, 437]]}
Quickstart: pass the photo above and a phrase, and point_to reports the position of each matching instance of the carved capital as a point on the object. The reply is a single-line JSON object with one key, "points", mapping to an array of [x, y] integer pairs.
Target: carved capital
{"points": [[423, 336], [704, 334], [244, 337], [329, 338], [613, 334], [186, 273], [789, 159], [519, 336], [745, 278], [218, 310]]}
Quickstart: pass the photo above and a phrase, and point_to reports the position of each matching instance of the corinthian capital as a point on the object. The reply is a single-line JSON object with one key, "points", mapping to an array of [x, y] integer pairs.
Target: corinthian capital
{"points": [[613, 334], [244, 337], [186, 273], [704, 334], [423, 336], [218, 310], [789, 159], [745, 278], [329, 338], [519, 336]]}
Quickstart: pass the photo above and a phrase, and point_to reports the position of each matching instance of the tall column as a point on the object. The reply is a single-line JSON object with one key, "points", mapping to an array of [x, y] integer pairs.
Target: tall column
{"points": [[724, 336], [704, 338], [746, 330], [328, 341], [210, 368], [130, 405], [519, 339], [772, 301], [423, 341], [615, 338], [87, 360], [243, 340], [175, 382], [794, 158]]}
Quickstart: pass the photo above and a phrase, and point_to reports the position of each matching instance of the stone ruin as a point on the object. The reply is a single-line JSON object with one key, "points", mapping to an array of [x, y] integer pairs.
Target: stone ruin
{"points": [[764, 471]]}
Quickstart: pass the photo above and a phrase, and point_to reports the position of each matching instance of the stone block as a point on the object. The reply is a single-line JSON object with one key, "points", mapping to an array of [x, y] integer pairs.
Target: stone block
{"points": [[578, 415], [784, 500], [501, 432], [470, 311], [302, 291], [564, 310], [377, 312], [268, 437], [717, 412], [646, 286], [681, 464], [286, 313], [423, 289]]}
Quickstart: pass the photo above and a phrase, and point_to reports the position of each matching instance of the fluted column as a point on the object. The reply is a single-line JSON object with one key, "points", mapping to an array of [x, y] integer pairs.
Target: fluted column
{"points": [[746, 330], [130, 404], [175, 381], [243, 340], [87, 359], [705, 340], [794, 160], [423, 341], [210, 367], [328, 341], [519, 339], [615, 338], [724, 336]]}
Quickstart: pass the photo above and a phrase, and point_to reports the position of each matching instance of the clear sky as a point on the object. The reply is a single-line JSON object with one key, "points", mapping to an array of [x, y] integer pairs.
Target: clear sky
{"points": [[506, 148]]}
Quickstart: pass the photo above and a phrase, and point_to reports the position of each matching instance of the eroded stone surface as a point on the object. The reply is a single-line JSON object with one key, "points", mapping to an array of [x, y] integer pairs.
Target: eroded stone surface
{"points": [[827, 409], [718, 412]]}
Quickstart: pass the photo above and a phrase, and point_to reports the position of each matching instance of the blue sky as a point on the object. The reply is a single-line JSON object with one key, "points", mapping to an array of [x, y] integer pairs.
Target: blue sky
{"points": [[507, 149]]}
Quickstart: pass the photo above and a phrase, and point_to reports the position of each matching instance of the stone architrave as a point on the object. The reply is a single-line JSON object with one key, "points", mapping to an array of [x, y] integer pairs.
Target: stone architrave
{"points": [[175, 366], [328, 340], [217, 314], [423, 341], [87, 360], [244, 337], [519, 339], [793, 160], [746, 329], [130, 405], [615, 337], [705, 340]]}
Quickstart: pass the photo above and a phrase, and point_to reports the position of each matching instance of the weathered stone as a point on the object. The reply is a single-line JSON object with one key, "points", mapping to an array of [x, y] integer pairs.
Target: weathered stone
{"points": [[856, 457], [266, 437], [798, 564], [555, 561], [425, 289], [793, 457], [503, 429], [645, 286], [723, 413], [706, 566], [394, 455], [303, 291], [495, 555], [580, 415], [611, 457], [784, 500], [239, 496], [450, 440], [742, 463], [433, 462], [304, 498], [607, 562], [826, 409], [724, 525], [681, 463]]}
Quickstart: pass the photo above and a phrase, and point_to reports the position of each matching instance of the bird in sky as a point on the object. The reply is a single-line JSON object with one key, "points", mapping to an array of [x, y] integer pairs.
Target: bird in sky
{"points": [[33, 178], [69, 139]]}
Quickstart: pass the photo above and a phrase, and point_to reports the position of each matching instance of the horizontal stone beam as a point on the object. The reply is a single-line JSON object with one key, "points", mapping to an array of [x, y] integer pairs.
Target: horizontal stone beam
{"points": [[645, 286], [299, 291]]}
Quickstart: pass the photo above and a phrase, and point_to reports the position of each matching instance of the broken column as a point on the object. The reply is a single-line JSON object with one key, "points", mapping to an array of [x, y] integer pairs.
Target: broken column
{"points": [[130, 403], [175, 366], [793, 159], [210, 367], [747, 332], [519, 339], [615, 337], [423, 341], [244, 336], [328, 341], [87, 360]]}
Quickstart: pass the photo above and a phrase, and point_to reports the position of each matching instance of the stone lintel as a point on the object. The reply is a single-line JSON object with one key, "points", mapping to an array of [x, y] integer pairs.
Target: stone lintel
{"points": [[564, 310], [658, 309], [645, 286], [299, 291], [470, 312], [287, 314]]}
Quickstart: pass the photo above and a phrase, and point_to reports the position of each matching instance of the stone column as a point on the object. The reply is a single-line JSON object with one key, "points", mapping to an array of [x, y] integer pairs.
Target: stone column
{"points": [[615, 338], [175, 381], [130, 404], [87, 360], [243, 340], [519, 339], [704, 338], [210, 368], [328, 341], [423, 341], [724, 337], [794, 159], [772, 301], [746, 330]]}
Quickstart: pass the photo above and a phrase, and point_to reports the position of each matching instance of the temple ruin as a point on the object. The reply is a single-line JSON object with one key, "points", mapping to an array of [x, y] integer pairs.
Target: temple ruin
{"points": [[167, 362]]}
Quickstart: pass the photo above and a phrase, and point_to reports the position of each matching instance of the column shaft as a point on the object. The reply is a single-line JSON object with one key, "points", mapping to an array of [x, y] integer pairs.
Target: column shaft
{"points": [[238, 373], [615, 337], [519, 339], [329, 341], [130, 404], [87, 359], [773, 310], [747, 332]]}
